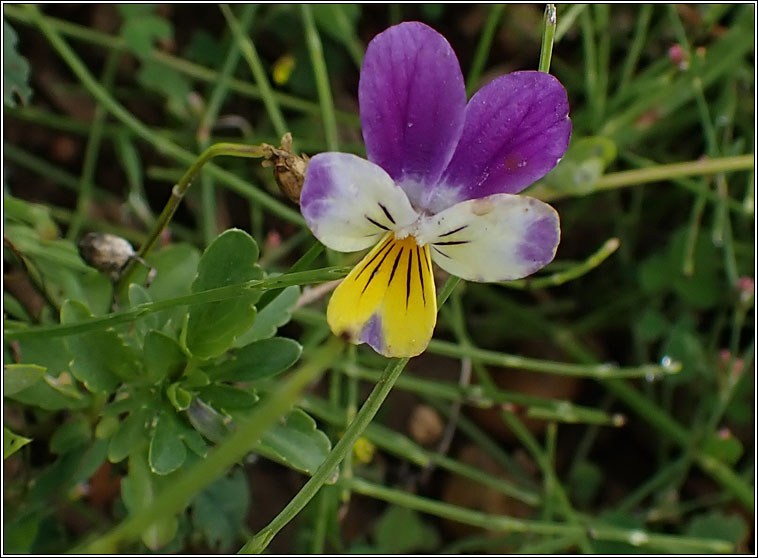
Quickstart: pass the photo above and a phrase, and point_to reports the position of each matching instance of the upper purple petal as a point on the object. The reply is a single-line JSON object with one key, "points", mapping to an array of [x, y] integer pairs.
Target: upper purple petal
{"points": [[412, 102], [517, 129]]}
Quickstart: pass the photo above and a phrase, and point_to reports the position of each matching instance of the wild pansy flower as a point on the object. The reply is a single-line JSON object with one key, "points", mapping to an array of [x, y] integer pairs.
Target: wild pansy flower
{"points": [[438, 186]]}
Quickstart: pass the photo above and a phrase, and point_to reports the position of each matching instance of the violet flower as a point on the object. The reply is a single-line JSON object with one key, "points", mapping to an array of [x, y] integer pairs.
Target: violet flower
{"points": [[439, 185]]}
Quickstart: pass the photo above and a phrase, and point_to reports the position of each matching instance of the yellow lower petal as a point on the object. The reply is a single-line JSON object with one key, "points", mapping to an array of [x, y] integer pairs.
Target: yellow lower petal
{"points": [[388, 300]]}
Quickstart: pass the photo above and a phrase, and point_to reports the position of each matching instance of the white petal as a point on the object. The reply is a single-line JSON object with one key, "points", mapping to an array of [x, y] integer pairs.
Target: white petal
{"points": [[496, 238], [350, 203]]}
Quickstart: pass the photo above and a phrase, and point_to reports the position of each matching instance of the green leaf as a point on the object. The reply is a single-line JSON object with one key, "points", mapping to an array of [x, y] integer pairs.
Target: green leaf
{"points": [[137, 295], [35, 215], [142, 28], [193, 439], [167, 450], [718, 525], [401, 531], [219, 511], [20, 531], [273, 316], [578, 171], [227, 398], [683, 345], [17, 377], [61, 269], [205, 49], [206, 420], [163, 356], [724, 447], [585, 480], [71, 468], [12, 442], [101, 359], [49, 352], [53, 394], [175, 266], [106, 427], [229, 260], [15, 70], [626, 521], [138, 492], [652, 325], [261, 359], [168, 83], [70, 435], [128, 436], [296, 442], [179, 397]]}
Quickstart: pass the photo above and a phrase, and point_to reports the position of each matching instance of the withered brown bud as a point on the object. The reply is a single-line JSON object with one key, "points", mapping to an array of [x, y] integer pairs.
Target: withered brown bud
{"points": [[107, 253], [289, 168]]}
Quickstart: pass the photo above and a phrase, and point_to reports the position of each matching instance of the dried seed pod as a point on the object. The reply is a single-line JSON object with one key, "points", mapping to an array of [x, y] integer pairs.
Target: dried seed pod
{"points": [[107, 253], [289, 169]]}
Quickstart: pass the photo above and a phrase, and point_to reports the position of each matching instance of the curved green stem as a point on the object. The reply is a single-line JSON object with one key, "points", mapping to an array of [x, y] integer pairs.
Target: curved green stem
{"points": [[602, 253], [260, 541], [177, 193]]}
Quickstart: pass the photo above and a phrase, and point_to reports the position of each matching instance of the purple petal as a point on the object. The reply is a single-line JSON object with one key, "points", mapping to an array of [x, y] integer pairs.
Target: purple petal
{"points": [[412, 101], [517, 129]]}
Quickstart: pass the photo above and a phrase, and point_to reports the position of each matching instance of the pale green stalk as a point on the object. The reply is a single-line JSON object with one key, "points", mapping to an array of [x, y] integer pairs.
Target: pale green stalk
{"points": [[313, 41], [91, 154], [483, 47], [506, 524], [597, 371], [364, 417], [246, 45], [553, 487], [208, 223], [635, 50], [211, 295], [548, 36], [602, 253]]}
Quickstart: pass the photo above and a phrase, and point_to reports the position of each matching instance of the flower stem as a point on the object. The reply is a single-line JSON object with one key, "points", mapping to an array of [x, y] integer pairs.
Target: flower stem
{"points": [[492, 522], [261, 540], [602, 253], [675, 170], [553, 487], [91, 154], [245, 44], [548, 35], [233, 448], [400, 445], [597, 371], [483, 48], [473, 395], [322, 77], [177, 193], [211, 295]]}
